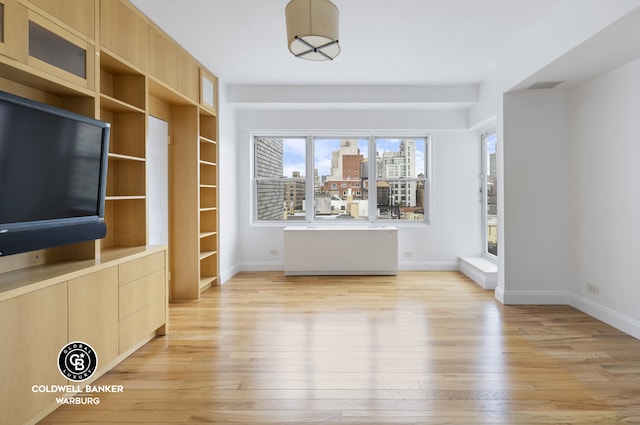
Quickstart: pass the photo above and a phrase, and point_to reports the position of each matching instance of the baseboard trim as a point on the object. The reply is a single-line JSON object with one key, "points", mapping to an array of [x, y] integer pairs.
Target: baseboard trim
{"points": [[533, 297], [619, 321], [228, 274], [418, 266], [429, 266], [262, 266]]}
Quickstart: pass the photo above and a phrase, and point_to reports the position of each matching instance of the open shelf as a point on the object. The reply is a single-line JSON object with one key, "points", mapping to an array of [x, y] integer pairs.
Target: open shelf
{"points": [[115, 105], [123, 102], [120, 157]]}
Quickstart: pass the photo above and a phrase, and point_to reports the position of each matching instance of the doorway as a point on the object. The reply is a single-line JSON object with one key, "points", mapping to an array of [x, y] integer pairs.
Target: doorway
{"points": [[158, 181]]}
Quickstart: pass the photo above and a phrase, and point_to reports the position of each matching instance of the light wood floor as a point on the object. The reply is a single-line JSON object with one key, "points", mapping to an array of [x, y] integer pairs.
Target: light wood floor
{"points": [[419, 348]]}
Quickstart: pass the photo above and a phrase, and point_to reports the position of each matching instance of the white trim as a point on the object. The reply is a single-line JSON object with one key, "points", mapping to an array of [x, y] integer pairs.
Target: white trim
{"points": [[499, 294], [226, 275], [428, 266], [414, 266], [534, 297], [262, 266], [619, 321]]}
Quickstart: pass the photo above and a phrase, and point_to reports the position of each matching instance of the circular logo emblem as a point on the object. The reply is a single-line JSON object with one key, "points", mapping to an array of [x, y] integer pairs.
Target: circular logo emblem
{"points": [[77, 361]]}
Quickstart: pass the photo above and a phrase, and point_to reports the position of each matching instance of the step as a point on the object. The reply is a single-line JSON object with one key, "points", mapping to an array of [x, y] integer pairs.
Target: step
{"points": [[481, 270]]}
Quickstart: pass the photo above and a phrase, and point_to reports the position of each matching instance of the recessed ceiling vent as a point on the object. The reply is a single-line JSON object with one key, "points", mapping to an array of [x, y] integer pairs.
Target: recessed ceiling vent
{"points": [[544, 85]]}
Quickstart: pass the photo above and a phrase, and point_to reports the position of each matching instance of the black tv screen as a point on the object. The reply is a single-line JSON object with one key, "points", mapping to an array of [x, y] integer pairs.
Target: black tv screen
{"points": [[53, 166]]}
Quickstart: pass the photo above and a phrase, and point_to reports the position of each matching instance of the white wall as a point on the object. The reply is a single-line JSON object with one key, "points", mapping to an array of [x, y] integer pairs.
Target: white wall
{"points": [[455, 229], [482, 114], [228, 199], [604, 141], [536, 209], [577, 41], [572, 23]]}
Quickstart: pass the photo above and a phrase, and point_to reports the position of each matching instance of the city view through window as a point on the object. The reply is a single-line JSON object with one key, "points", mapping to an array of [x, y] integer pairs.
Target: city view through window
{"points": [[490, 194], [343, 176]]}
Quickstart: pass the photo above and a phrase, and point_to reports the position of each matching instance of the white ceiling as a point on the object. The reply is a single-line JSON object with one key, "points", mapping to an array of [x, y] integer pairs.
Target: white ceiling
{"points": [[383, 42]]}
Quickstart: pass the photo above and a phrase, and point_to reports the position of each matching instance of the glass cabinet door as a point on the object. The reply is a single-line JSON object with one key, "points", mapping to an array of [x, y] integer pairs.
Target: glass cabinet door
{"points": [[58, 52]]}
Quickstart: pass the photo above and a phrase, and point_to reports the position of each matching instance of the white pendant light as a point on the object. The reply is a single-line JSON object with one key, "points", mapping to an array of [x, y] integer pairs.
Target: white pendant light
{"points": [[312, 29]]}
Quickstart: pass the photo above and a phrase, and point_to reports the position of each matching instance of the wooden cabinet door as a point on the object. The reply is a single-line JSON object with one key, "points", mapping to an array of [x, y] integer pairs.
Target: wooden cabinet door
{"points": [[33, 331], [124, 32], [164, 55], [93, 313], [78, 14]]}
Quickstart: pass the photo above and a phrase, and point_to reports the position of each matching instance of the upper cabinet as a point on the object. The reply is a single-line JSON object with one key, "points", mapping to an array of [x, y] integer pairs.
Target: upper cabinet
{"points": [[59, 52], [188, 73], [163, 57], [60, 57], [80, 15], [105, 59], [172, 66], [208, 91], [123, 31]]}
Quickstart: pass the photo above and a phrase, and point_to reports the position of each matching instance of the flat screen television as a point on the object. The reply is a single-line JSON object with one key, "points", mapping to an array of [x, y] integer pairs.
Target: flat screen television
{"points": [[53, 176]]}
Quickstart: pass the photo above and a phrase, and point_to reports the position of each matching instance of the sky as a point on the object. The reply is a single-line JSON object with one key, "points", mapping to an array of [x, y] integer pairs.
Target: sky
{"points": [[491, 143], [294, 153]]}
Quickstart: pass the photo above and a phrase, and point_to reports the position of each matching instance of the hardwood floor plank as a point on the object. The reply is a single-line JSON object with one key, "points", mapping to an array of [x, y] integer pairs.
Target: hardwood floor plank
{"points": [[417, 348]]}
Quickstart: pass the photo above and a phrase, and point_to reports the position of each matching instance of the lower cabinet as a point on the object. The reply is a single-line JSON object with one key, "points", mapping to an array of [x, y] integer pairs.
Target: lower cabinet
{"points": [[114, 306], [93, 314], [33, 329], [142, 299]]}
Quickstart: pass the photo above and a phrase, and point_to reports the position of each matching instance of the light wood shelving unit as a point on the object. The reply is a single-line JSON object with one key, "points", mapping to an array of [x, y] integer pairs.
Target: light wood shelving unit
{"points": [[123, 103], [208, 199], [133, 70]]}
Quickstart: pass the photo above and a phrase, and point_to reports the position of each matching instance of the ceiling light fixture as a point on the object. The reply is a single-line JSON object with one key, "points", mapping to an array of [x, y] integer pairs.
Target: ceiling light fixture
{"points": [[312, 29]]}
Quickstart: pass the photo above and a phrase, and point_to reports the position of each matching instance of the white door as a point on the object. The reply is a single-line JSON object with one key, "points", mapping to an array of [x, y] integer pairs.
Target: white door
{"points": [[158, 181]]}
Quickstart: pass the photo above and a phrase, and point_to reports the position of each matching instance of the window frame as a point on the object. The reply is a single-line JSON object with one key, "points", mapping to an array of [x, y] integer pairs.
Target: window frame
{"points": [[371, 137], [256, 180], [485, 194]]}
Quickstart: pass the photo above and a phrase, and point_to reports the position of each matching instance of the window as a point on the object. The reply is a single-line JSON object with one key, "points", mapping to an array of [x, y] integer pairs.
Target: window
{"points": [[489, 194], [401, 178], [340, 189], [280, 178]]}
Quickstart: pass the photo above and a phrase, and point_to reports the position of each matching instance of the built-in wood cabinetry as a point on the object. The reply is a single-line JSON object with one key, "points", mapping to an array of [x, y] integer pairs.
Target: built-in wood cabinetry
{"points": [[2, 27], [142, 299], [34, 329], [77, 14], [124, 32], [93, 313], [115, 304], [208, 199], [123, 103], [110, 293]]}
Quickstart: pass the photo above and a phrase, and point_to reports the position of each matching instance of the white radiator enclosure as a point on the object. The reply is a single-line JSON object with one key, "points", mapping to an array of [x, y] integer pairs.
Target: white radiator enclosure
{"points": [[340, 250]]}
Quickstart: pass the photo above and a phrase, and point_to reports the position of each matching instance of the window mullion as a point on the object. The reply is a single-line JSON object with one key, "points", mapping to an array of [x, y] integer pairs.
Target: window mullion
{"points": [[310, 208], [373, 180]]}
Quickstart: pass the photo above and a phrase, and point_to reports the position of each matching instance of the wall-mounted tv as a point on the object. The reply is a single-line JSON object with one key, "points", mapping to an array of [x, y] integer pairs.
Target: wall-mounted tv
{"points": [[53, 176]]}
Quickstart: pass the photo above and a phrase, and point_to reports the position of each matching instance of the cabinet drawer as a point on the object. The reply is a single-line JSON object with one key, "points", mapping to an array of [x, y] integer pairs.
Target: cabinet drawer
{"points": [[93, 312], [140, 267], [138, 294], [141, 324]]}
